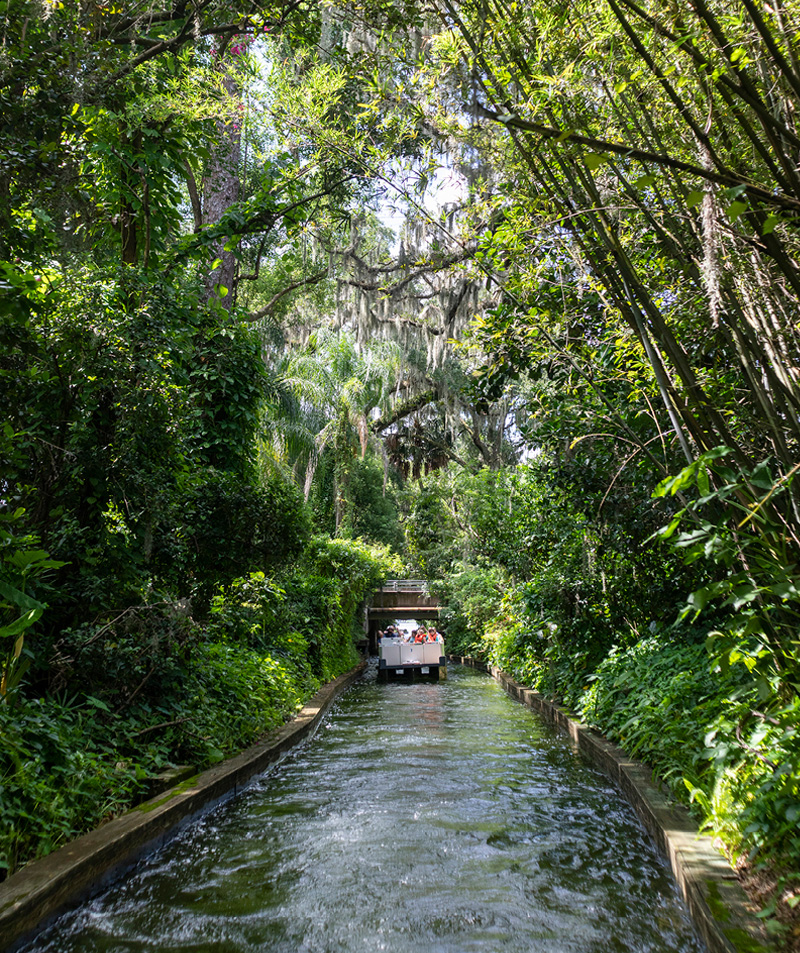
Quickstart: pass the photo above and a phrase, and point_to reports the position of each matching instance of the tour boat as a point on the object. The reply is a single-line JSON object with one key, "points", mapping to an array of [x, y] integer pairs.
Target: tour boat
{"points": [[411, 660]]}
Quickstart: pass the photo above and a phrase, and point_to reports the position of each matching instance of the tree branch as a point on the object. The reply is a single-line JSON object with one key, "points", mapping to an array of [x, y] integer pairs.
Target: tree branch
{"points": [[432, 265], [410, 406], [263, 312], [161, 724], [255, 274], [194, 196]]}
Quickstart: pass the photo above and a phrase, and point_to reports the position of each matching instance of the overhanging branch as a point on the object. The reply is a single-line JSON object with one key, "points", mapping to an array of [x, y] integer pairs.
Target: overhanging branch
{"points": [[263, 312], [410, 406]]}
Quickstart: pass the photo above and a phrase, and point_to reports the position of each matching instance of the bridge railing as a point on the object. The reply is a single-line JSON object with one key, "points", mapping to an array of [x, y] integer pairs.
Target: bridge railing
{"points": [[405, 585]]}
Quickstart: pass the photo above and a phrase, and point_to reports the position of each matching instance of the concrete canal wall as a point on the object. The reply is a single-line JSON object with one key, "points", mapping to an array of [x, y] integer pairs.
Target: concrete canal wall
{"points": [[720, 909], [47, 887]]}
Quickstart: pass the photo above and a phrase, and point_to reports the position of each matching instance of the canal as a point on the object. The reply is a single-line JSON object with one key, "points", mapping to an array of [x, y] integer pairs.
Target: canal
{"points": [[443, 818]]}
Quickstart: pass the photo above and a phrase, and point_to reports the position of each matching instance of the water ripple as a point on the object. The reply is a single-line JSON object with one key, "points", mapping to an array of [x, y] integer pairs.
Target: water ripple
{"points": [[436, 817]]}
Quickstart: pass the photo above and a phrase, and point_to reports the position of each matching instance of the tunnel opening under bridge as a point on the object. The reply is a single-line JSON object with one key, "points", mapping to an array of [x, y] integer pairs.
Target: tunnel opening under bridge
{"points": [[399, 600]]}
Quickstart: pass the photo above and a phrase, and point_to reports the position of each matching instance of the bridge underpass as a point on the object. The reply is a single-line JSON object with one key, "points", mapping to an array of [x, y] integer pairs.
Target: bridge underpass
{"points": [[398, 599]]}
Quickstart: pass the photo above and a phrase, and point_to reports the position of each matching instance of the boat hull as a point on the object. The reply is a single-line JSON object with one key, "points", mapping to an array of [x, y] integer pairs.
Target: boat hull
{"points": [[411, 662]]}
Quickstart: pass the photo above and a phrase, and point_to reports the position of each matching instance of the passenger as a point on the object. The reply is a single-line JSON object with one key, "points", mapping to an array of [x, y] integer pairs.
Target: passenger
{"points": [[420, 635]]}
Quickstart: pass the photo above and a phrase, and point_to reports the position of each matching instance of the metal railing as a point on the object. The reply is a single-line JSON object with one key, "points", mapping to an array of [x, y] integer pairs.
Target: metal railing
{"points": [[405, 585]]}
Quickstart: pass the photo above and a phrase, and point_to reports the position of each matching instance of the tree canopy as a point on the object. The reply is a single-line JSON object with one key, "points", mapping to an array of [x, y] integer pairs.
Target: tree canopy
{"points": [[506, 291]]}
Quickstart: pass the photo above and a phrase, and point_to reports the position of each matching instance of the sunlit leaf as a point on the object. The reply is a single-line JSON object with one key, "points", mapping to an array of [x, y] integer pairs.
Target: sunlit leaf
{"points": [[736, 209]]}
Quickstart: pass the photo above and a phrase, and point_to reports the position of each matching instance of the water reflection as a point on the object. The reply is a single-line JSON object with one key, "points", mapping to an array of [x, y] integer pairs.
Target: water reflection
{"points": [[438, 817]]}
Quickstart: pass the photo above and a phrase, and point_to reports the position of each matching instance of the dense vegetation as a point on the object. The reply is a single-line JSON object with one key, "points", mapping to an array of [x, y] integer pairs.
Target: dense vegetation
{"points": [[293, 292], [167, 593]]}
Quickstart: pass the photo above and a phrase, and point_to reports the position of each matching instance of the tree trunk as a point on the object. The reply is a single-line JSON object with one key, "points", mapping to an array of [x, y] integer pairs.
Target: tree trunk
{"points": [[221, 190]]}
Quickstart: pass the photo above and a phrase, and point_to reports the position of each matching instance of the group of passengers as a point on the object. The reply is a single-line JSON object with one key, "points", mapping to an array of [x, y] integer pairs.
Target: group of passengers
{"points": [[431, 634]]}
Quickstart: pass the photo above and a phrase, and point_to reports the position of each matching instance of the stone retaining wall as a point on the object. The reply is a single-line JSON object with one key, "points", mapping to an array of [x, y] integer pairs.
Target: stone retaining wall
{"points": [[47, 887], [719, 907]]}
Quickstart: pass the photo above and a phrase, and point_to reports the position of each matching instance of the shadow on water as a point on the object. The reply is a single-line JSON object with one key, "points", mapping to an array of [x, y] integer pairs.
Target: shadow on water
{"points": [[441, 817]]}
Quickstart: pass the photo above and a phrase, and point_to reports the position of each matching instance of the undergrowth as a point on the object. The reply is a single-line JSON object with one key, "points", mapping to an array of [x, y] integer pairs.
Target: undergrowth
{"points": [[166, 690], [68, 764]]}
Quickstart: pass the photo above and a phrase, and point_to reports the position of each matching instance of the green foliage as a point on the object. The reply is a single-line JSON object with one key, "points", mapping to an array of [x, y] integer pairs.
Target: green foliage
{"points": [[184, 588], [97, 403], [234, 695], [705, 735], [658, 700], [572, 598], [364, 565], [337, 386], [644, 311], [472, 596], [226, 379], [310, 608], [754, 801], [329, 608], [431, 533], [66, 766], [256, 612], [375, 512], [578, 573], [757, 586], [167, 691], [59, 776], [223, 525], [24, 568], [135, 444], [249, 611]]}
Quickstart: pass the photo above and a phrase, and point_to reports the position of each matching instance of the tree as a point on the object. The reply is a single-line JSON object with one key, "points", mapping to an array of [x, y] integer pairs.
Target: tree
{"points": [[642, 157], [339, 387]]}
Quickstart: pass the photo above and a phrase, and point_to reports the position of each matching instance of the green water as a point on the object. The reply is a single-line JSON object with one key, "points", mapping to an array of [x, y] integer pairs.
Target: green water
{"points": [[442, 818]]}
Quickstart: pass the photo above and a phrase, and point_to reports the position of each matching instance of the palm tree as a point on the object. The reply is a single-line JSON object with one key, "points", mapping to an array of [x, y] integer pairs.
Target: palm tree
{"points": [[326, 394]]}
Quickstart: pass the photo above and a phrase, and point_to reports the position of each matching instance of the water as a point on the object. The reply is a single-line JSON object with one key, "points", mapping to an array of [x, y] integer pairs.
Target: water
{"points": [[442, 818]]}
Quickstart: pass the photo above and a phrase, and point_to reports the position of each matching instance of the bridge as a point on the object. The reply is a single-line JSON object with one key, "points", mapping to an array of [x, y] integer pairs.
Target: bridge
{"points": [[398, 599]]}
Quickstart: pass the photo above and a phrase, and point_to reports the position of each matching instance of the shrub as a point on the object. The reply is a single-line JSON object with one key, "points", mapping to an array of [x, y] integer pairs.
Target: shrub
{"points": [[231, 526], [658, 699], [59, 776], [234, 695]]}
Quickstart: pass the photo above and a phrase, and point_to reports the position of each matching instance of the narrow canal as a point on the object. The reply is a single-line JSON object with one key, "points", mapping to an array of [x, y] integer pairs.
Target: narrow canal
{"points": [[442, 818]]}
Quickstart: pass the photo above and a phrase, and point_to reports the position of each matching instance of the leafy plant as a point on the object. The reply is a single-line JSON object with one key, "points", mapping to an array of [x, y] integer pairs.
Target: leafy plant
{"points": [[758, 581], [24, 569]]}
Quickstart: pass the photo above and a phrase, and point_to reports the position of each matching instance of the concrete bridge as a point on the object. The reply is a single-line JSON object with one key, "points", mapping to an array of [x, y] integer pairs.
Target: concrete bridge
{"points": [[398, 599]]}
